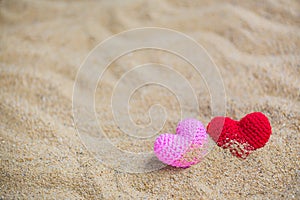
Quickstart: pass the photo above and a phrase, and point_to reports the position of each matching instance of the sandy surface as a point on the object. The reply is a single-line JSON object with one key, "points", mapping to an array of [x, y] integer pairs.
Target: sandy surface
{"points": [[255, 44]]}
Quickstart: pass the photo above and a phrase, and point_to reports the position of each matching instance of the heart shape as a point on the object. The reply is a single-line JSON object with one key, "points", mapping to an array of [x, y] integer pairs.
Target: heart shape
{"points": [[185, 148], [240, 137]]}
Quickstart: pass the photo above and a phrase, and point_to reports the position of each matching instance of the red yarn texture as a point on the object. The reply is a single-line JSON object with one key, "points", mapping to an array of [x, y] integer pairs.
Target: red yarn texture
{"points": [[240, 137]]}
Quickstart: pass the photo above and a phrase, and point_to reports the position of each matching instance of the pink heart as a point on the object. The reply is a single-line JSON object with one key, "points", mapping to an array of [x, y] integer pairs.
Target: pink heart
{"points": [[184, 149]]}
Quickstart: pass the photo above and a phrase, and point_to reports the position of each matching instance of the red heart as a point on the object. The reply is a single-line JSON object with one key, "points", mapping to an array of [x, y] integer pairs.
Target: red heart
{"points": [[240, 137]]}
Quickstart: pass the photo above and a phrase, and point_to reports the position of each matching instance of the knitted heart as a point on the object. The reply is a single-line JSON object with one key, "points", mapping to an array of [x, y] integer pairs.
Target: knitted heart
{"points": [[184, 149], [240, 137]]}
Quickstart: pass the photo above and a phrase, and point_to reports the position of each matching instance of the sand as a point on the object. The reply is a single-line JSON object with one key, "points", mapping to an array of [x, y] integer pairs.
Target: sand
{"points": [[255, 44]]}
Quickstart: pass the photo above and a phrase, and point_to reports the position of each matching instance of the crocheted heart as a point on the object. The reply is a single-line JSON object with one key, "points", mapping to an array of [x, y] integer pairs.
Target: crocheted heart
{"points": [[240, 137], [184, 149]]}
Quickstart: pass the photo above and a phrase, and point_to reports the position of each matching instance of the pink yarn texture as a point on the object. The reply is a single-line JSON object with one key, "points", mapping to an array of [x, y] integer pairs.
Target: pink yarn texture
{"points": [[185, 148]]}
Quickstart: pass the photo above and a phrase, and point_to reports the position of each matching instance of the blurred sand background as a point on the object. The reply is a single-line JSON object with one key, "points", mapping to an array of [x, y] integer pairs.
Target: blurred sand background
{"points": [[256, 45]]}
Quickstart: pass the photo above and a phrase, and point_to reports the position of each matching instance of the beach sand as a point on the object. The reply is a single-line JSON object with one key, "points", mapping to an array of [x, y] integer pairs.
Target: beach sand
{"points": [[255, 44]]}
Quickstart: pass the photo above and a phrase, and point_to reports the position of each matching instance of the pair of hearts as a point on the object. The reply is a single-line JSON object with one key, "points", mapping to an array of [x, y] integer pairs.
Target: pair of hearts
{"points": [[190, 143]]}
